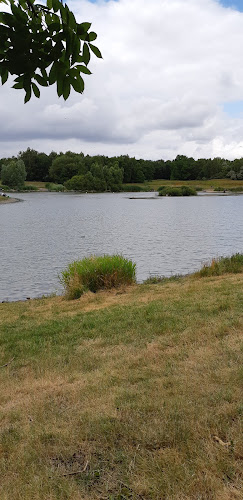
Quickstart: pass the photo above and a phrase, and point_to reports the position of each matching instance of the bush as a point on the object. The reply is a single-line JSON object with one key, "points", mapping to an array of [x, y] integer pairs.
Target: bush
{"points": [[14, 174], [97, 273], [177, 191], [223, 265], [29, 188], [54, 187]]}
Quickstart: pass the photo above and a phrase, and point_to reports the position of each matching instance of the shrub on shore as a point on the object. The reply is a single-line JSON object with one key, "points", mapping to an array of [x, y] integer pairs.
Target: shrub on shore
{"points": [[5, 188], [177, 191], [97, 273], [29, 187]]}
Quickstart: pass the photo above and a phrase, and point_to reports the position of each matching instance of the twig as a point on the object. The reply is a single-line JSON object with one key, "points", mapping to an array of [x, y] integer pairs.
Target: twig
{"points": [[77, 471], [219, 441], [6, 364], [132, 463], [130, 489], [72, 473]]}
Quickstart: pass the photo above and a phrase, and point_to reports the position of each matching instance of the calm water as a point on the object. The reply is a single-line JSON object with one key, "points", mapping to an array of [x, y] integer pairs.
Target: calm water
{"points": [[42, 234]]}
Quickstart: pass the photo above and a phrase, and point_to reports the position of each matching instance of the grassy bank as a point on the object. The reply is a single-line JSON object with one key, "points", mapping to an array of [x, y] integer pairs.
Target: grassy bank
{"points": [[7, 199], [128, 394], [208, 185]]}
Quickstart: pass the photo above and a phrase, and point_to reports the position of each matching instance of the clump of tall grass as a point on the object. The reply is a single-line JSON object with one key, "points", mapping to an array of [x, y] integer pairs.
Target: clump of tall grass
{"points": [[222, 265], [177, 191], [97, 273], [130, 188], [54, 187]]}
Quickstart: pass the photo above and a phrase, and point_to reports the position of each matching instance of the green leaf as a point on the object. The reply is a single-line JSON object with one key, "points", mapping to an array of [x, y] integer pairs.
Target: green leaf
{"points": [[55, 5], [18, 13], [77, 85], [71, 21], [49, 4], [17, 86], [83, 28], [27, 95], [63, 11], [44, 73], [42, 81], [53, 74], [80, 82], [92, 36], [83, 69], [86, 54], [66, 88], [35, 90], [4, 76], [59, 87], [95, 50]]}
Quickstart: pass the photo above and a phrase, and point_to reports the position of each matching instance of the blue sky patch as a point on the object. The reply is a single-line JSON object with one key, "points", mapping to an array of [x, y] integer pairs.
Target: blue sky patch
{"points": [[234, 109], [235, 4]]}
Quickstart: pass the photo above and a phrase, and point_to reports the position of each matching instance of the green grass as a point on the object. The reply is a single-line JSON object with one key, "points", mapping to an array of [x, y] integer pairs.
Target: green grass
{"points": [[96, 273], [134, 395]]}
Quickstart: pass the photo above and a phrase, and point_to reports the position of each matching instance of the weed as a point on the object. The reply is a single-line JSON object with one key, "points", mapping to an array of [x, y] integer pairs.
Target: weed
{"points": [[96, 273]]}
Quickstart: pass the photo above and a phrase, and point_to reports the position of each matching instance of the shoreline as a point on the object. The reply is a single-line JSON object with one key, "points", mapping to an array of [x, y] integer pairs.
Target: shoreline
{"points": [[4, 200]]}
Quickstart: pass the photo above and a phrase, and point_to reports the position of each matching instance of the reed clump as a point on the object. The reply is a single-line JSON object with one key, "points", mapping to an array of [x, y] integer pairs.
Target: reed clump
{"points": [[222, 265], [97, 273]]}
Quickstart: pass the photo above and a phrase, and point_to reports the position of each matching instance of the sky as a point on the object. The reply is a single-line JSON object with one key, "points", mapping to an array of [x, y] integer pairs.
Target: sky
{"points": [[170, 82]]}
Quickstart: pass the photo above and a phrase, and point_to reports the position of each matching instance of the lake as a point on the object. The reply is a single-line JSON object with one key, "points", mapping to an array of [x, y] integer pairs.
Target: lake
{"points": [[40, 235]]}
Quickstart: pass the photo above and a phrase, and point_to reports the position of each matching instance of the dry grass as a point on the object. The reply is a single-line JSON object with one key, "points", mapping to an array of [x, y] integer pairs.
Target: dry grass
{"points": [[133, 394]]}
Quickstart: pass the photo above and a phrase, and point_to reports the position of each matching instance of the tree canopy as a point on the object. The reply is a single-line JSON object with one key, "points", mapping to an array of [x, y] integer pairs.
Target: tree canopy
{"points": [[42, 45]]}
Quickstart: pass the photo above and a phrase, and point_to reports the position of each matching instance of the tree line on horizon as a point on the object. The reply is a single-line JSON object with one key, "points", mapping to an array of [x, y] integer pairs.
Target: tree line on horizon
{"points": [[101, 173]]}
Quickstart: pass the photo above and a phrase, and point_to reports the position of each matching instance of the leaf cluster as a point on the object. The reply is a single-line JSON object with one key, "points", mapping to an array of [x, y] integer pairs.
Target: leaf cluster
{"points": [[44, 45]]}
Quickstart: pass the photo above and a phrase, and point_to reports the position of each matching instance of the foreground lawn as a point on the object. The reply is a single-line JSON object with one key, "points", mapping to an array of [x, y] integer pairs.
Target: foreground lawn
{"points": [[129, 394]]}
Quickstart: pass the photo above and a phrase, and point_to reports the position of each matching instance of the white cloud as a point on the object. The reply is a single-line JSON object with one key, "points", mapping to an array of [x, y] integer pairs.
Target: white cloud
{"points": [[168, 67]]}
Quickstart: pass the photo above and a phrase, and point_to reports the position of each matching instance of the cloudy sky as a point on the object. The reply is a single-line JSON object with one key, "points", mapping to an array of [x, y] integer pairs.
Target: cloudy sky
{"points": [[170, 82]]}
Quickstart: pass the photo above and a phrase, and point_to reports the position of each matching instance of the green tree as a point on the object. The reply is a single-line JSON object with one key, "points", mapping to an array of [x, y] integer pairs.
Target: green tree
{"points": [[65, 166], [44, 44], [14, 174]]}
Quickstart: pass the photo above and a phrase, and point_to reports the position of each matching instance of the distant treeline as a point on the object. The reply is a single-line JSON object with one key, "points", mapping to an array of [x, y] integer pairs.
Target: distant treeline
{"points": [[100, 173]]}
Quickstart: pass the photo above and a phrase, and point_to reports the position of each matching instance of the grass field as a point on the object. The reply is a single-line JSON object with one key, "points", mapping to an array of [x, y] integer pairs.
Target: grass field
{"points": [[128, 394]]}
